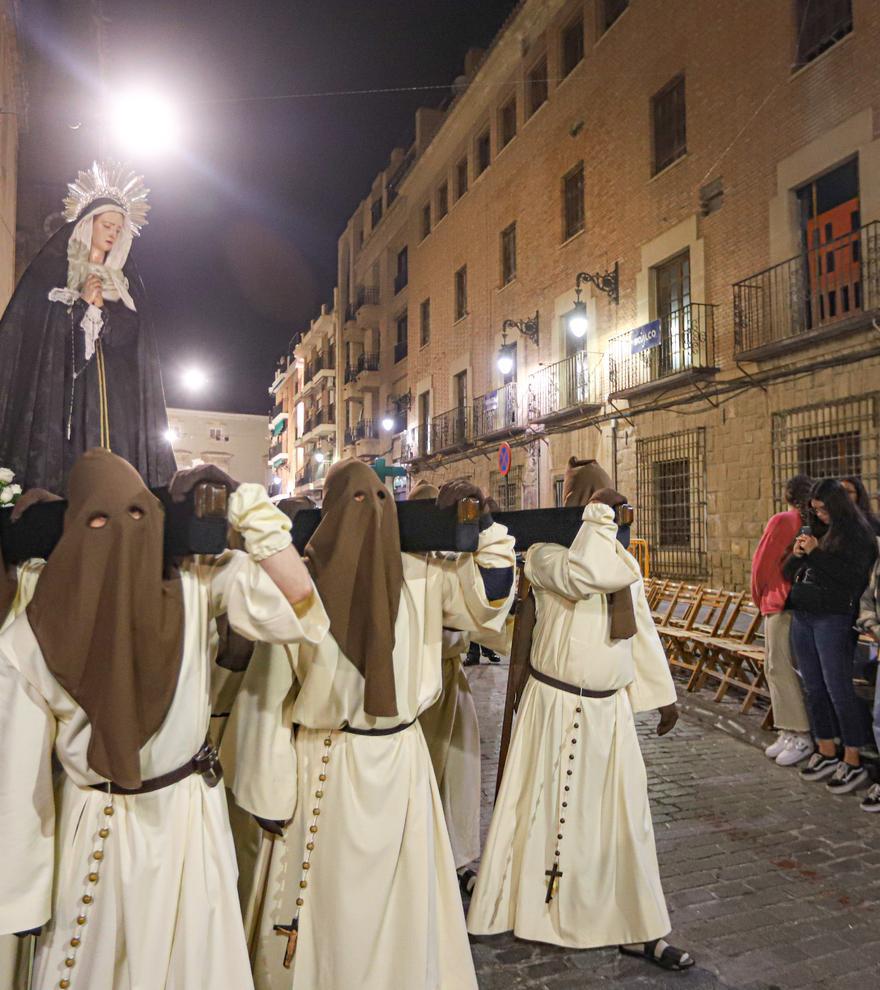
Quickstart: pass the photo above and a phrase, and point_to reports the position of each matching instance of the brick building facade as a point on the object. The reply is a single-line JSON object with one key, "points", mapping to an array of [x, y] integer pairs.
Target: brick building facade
{"points": [[723, 162]]}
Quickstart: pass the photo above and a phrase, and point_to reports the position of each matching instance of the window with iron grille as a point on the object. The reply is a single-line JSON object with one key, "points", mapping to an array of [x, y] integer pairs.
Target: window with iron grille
{"points": [[442, 201], [484, 152], [507, 491], [461, 178], [425, 322], [611, 10], [820, 24], [573, 202], [537, 86], [426, 220], [507, 123], [828, 440], [671, 510], [670, 131], [508, 254], [461, 293], [572, 44]]}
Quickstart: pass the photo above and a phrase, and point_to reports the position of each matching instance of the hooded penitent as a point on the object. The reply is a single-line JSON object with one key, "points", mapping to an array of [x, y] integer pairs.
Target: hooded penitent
{"points": [[354, 559], [583, 481], [109, 626], [61, 393], [423, 491]]}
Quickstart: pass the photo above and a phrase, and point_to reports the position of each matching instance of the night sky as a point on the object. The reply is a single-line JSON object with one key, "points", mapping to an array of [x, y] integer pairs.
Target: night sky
{"points": [[241, 247]]}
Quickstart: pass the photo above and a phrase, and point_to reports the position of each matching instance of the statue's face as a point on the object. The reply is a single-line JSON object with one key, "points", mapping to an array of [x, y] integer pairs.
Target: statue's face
{"points": [[106, 228]]}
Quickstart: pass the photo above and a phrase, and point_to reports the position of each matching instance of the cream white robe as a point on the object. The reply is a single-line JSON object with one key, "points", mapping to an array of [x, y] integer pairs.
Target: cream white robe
{"points": [[16, 953], [610, 891], [382, 908], [165, 914]]}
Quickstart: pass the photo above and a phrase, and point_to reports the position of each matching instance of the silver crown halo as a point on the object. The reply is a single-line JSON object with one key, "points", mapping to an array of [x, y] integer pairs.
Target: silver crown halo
{"points": [[110, 180]]}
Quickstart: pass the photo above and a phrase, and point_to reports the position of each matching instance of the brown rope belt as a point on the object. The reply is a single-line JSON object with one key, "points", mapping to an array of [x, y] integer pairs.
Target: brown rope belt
{"points": [[570, 688], [205, 763]]}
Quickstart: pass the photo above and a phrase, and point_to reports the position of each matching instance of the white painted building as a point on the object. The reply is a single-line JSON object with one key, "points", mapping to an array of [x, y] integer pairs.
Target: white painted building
{"points": [[236, 442]]}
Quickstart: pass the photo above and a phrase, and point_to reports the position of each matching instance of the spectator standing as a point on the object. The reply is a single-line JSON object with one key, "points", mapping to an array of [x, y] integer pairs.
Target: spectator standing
{"points": [[770, 590], [869, 622], [829, 576], [858, 494]]}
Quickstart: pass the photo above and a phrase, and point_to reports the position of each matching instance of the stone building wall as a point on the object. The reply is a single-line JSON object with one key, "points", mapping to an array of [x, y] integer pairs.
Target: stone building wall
{"points": [[758, 129]]}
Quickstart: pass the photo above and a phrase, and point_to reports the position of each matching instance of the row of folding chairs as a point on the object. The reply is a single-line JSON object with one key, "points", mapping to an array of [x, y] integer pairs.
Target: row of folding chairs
{"points": [[714, 637]]}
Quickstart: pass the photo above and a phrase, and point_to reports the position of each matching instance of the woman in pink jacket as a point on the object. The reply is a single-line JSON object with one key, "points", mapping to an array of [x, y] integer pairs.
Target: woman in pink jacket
{"points": [[770, 593]]}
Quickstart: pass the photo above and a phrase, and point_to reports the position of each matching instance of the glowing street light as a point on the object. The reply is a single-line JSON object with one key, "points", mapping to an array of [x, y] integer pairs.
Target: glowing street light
{"points": [[387, 423], [319, 457], [144, 122], [194, 379], [578, 322], [171, 434]]}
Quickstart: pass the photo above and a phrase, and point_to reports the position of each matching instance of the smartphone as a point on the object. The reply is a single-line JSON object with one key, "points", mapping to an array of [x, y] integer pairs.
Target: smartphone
{"points": [[806, 531]]}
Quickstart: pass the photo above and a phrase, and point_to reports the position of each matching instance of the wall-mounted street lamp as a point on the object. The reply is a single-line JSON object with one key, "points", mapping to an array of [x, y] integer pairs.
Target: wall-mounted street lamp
{"points": [[528, 328], [607, 283]]}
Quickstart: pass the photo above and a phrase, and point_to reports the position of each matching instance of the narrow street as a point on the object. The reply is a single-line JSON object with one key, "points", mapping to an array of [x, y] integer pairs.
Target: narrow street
{"points": [[772, 884]]}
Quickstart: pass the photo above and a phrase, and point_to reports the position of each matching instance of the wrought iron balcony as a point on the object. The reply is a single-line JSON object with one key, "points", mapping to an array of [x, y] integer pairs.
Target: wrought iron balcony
{"points": [[563, 388], [401, 349], [366, 429], [685, 348], [366, 295], [367, 361], [350, 374], [276, 447], [826, 290], [497, 412], [451, 429]]}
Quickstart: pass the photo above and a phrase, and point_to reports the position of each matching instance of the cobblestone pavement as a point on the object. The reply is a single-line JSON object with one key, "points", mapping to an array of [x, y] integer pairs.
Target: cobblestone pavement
{"points": [[772, 884]]}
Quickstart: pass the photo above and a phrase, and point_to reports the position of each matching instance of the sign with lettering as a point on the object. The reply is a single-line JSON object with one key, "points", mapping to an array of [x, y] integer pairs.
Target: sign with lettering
{"points": [[645, 338]]}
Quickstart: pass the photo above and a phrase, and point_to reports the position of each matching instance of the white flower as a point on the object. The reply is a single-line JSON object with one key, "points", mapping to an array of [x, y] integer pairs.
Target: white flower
{"points": [[6, 496], [15, 489], [6, 476]]}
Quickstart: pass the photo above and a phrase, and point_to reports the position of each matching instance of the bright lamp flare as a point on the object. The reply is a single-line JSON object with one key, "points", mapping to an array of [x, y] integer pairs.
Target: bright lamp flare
{"points": [[577, 322], [319, 457], [505, 363], [170, 435], [387, 424], [144, 122], [194, 379]]}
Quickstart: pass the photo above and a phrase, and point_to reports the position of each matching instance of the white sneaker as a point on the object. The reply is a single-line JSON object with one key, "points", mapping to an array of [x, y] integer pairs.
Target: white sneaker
{"points": [[798, 748], [775, 748]]}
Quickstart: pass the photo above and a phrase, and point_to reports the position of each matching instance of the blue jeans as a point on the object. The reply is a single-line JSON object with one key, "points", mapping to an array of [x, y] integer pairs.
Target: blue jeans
{"points": [[824, 646]]}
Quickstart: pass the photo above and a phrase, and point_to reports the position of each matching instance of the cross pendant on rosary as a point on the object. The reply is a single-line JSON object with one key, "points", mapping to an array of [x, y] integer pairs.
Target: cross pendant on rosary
{"points": [[291, 931], [553, 882]]}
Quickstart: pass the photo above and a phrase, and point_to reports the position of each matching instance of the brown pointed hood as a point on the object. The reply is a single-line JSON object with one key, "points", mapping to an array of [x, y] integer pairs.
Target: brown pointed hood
{"points": [[109, 627], [583, 480], [354, 559], [423, 491]]}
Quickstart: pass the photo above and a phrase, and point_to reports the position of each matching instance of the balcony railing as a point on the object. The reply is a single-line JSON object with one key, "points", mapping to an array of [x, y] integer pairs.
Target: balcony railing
{"points": [[820, 289], [497, 412], [350, 374], [401, 349], [563, 387], [366, 429], [349, 436], [686, 344], [366, 295], [368, 361], [276, 447], [393, 186], [451, 429]]}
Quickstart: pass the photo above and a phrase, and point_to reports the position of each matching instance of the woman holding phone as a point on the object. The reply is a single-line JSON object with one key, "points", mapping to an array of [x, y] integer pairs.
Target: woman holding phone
{"points": [[828, 575]]}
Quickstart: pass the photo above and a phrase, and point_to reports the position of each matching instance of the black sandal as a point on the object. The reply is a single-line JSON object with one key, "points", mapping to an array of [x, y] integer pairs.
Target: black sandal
{"points": [[662, 954]]}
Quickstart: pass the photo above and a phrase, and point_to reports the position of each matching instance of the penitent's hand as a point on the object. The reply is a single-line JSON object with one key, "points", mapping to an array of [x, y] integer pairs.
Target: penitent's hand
{"points": [[668, 718], [32, 496], [184, 481], [454, 491]]}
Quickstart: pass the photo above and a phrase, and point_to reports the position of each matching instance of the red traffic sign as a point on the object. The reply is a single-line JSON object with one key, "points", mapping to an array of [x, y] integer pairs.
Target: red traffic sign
{"points": [[505, 455]]}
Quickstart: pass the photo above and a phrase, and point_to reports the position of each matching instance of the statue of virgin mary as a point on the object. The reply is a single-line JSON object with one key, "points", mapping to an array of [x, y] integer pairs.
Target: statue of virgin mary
{"points": [[78, 361]]}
